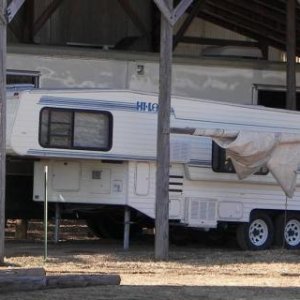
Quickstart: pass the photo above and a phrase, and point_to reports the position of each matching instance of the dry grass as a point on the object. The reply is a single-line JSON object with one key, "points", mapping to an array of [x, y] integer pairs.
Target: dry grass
{"points": [[192, 272]]}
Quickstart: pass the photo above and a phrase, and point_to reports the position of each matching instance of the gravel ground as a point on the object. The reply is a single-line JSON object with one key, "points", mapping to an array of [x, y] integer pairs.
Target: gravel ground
{"points": [[194, 271]]}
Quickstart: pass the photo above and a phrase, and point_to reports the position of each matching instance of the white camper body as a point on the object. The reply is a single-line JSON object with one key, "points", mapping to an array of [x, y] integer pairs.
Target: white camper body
{"points": [[123, 173]]}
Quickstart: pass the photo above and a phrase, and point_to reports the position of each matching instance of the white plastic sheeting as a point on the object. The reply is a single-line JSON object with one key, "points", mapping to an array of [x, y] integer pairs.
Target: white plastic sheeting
{"points": [[249, 151]]}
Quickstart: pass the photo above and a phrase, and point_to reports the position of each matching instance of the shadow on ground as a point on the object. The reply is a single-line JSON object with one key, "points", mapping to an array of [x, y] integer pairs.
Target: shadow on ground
{"points": [[159, 292]]}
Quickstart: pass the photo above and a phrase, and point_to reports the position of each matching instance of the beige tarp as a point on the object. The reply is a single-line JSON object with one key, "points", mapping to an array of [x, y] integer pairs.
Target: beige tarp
{"points": [[249, 151]]}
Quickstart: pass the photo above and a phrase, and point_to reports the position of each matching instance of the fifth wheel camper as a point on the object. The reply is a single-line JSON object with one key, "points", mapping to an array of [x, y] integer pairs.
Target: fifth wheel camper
{"points": [[100, 150]]}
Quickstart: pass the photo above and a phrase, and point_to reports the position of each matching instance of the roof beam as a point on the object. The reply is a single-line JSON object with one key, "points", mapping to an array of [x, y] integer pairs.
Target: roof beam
{"points": [[230, 10], [227, 19], [258, 11], [45, 15], [136, 20], [180, 9], [277, 7], [291, 53], [218, 42], [12, 9], [28, 20], [187, 22], [173, 15], [241, 28], [261, 20]]}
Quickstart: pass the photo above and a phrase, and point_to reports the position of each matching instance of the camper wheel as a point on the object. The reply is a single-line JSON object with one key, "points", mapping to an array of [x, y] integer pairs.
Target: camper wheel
{"points": [[288, 231], [256, 234]]}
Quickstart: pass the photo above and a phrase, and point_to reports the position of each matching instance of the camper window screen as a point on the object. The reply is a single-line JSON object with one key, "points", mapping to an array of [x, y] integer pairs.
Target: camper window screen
{"points": [[91, 130], [69, 129]]}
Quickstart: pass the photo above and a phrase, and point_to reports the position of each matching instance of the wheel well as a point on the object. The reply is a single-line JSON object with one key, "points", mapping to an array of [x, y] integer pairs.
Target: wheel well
{"points": [[272, 213]]}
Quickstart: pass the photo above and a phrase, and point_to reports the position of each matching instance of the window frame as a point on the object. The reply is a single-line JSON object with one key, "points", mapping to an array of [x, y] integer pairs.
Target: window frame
{"points": [[32, 76], [73, 111]]}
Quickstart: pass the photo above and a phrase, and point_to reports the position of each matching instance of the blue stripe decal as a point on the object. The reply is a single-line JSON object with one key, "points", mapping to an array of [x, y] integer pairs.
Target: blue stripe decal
{"points": [[86, 155], [248, 126], [198, 162], [92, 104], [95, 104]]}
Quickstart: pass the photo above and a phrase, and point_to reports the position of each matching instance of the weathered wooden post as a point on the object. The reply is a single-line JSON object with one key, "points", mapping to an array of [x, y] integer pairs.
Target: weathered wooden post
{"points": [[291, 54], [6, 15], [2, 125], [169, 16], [163, 139]]}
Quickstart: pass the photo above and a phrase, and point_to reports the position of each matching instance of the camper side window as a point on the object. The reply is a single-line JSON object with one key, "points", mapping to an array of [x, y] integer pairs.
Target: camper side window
{"points": [[222, 164], [74, 129], [219, 161]]}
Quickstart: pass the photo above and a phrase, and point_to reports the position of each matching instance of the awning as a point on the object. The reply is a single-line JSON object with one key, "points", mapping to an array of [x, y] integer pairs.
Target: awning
{"points": [[249, 151]]}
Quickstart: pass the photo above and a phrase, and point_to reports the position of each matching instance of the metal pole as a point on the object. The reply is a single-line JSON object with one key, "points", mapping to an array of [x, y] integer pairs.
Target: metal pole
{"points": [[57, 223], [46, 214], [163, 139], [291, 55], [126, 228], [2, 126]]}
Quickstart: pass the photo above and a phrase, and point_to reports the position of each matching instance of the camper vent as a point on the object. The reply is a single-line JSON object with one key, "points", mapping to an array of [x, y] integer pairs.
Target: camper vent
{"points": [[201, 211], [175, 184]]}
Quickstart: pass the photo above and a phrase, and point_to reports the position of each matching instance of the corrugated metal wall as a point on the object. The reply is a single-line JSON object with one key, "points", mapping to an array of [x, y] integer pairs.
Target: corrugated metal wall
{"points": [[105, 23]]}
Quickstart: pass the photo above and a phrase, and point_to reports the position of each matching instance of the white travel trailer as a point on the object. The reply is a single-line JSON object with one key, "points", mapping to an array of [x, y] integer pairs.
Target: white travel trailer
{"points": [[100, 149]]}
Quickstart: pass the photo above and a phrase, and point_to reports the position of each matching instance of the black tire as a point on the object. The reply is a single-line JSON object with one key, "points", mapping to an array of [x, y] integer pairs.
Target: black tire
{"points": [[258, 234], [288, 231]]}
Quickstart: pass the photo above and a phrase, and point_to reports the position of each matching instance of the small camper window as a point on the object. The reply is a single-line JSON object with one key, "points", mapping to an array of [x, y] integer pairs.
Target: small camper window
{"points": [[219, 161], [222, 164], [74, 129]]}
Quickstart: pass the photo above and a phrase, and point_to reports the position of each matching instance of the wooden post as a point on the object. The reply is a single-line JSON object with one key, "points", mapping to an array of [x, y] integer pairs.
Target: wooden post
{"points": [[163, 139], [291, 55], [21, 229], [2, 126]]}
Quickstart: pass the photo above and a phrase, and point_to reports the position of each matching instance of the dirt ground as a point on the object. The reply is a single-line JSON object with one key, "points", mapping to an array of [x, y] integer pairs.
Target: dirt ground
{"points": [[194, 271]]}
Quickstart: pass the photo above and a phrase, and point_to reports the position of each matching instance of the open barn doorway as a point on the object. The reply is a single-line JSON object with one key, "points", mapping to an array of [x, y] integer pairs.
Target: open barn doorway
{"points": [[275, 98]]}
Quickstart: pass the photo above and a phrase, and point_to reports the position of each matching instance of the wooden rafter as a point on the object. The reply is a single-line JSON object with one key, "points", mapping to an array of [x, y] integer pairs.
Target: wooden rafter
{"points": [[218, 42], [256, 11], [253, 20], [238, 16], [46, 14], [28, 21], [135, 18], [187, 22]]}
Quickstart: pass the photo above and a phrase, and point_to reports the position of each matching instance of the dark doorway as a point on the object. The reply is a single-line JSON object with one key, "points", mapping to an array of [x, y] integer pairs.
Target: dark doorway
{"points": [[275, 99]]}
